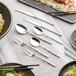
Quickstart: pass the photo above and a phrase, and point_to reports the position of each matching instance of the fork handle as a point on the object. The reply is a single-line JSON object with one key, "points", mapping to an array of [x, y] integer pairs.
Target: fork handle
{"points": [[50, 63], [28, 52], [38, 51]]}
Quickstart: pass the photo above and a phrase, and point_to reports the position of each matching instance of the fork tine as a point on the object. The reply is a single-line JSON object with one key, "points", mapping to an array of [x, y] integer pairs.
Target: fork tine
{"points": [[18, 41]]}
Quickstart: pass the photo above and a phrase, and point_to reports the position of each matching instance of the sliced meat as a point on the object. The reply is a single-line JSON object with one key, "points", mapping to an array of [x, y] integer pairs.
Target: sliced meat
{"points": [[64, 1]]}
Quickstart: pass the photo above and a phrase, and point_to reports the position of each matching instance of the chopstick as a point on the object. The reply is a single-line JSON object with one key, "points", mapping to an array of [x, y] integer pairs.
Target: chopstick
{"points": [[61, 13], [58, 13], [16, 69], [18, 66]]}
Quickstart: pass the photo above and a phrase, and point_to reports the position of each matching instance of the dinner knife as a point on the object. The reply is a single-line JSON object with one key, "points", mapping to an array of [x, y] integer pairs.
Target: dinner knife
{"points": [[31, 15]]}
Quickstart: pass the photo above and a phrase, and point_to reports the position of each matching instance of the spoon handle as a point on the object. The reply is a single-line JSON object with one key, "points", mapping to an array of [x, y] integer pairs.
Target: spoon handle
{"points": [[70, 55], [40, 38], [38, 51], [51, 31], [28, 52], [54, 40], [45, 60], [50, 51], [31, 55]]}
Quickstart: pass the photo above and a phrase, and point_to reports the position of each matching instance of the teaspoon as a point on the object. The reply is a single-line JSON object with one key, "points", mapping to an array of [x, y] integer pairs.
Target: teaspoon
{"points": [[35, 42], [39, 31], [23, 30]]}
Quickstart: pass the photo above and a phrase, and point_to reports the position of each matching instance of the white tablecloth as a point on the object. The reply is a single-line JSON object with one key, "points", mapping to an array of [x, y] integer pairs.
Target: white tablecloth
{"points": [[16, 52]]}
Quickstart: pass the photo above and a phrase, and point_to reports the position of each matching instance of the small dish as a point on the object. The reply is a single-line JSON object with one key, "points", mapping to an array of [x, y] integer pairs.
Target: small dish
{"points": [[72, 39], [66, 67], [26, 72]]}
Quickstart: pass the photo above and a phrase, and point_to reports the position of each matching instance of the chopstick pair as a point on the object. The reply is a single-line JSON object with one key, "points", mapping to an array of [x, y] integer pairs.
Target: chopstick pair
{"points": [[61, 13], [18, 67]]}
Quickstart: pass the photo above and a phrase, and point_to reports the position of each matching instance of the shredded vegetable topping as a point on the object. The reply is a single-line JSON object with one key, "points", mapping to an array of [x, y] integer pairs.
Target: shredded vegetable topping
{"points": [[61, 5], [71, 72], [1, 23], [11, 73]]}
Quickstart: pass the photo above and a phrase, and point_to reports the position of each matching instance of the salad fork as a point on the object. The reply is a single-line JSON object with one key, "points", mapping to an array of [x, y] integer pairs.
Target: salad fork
{"points": [[29, 53]]}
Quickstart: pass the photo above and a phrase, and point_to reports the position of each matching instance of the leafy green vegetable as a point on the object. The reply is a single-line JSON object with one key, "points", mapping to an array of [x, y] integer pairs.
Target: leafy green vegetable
{"points": [[22, 73], [75, 39], [71, 72], [3, 73], [1, 29]]}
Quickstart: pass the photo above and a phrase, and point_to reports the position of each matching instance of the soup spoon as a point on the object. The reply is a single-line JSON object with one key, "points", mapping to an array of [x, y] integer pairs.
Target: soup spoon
{"points": [[35, 42], [23, 30], [39, 31]]}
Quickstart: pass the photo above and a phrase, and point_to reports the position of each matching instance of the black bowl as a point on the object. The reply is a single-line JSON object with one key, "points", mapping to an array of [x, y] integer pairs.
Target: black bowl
{"points": [[66, 67], [7, 18], [26, 72]]}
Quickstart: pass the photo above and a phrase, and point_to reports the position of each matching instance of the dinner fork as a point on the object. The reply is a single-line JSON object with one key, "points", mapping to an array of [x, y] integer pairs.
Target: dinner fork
{"points": [[22, 43], [29, 53]]}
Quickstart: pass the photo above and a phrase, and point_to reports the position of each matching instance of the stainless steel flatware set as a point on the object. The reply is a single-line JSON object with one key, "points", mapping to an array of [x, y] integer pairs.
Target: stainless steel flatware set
{"points": [[29, 53], [35, 41]]}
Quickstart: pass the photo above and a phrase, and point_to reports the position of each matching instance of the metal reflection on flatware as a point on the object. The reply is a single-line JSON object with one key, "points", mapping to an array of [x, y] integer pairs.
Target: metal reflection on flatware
{"points": [[58, 34], [35, 42], [31, 15], [32, 55], [22, 43], [23, 30], [39, 31], [28, 52], [70, 55]]}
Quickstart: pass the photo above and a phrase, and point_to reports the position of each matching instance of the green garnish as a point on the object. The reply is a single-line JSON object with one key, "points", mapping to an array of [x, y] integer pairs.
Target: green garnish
{"points": [[75, 39], [3, 73], [1, 29], [74, 69], [22, 73]]}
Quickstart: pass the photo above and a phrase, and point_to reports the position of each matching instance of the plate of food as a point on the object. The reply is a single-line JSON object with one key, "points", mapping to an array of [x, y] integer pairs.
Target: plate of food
{"points": [[61, 5], [73, 39], [69, 69], [4, 71], [63, 9], [5, 20]]}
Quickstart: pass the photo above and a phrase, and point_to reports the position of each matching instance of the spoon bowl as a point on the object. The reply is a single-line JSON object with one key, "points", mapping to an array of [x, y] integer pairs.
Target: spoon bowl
{"points": [[35, 42], [37, 30], [21, 29]]}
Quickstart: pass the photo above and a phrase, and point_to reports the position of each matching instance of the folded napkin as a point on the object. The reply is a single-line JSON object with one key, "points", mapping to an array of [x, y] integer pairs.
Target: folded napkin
{"points": [[7, 54]]}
